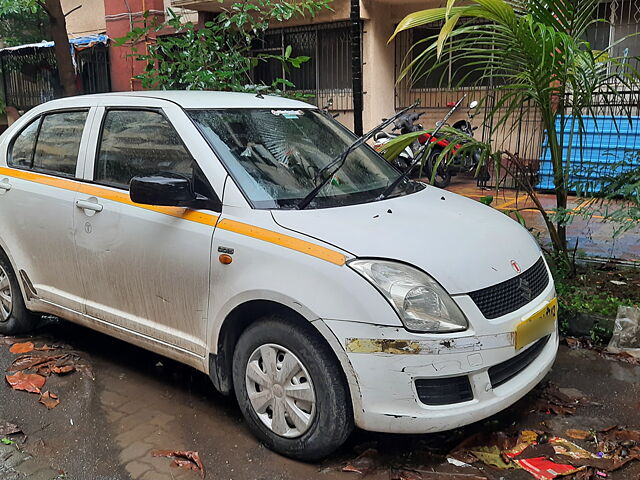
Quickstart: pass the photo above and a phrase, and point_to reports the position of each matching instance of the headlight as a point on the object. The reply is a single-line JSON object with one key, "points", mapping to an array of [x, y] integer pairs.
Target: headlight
{"points": [[423, 305]]}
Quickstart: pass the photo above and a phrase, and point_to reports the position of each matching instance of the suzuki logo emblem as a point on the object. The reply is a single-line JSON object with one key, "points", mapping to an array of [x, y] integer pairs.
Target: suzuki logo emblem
{"points": [[515, 266], [525, 289]]}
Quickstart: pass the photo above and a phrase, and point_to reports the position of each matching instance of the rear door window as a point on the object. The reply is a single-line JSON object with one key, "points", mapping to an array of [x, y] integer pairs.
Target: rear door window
{"points": [[21, 154], [58, 143], [139, 143], [50, 144]]}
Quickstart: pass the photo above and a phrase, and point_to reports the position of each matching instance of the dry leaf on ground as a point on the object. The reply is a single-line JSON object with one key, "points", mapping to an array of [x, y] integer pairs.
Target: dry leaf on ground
{"points": [[29, 382], [49, 400], [30, 361], [183, 458], [578, 434], [45, 348], [7, 428], [25, 347]]}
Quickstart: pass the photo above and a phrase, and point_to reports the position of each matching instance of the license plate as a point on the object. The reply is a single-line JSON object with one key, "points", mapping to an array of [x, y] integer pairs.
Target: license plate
{"points": [[541, 323]]}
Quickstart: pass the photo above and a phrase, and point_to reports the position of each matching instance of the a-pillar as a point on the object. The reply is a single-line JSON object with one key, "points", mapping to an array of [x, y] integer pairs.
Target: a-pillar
{"points": [[121, 17]]}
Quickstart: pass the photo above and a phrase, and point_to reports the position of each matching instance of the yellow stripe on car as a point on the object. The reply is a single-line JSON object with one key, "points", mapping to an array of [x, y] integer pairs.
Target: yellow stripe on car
{"points": [[286, 241], [258, 233]]}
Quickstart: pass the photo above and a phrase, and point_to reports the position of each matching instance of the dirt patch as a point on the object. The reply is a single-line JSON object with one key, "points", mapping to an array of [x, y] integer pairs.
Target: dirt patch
{"points": [[610, 280]]}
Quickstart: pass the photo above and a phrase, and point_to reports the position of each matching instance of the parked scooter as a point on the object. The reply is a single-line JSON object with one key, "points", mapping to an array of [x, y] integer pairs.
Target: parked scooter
{"points": [[404, 124], [458, 163]]}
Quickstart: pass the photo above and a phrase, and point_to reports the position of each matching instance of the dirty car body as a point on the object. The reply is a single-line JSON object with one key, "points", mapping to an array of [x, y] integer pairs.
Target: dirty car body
{"points": [[171, 220]]}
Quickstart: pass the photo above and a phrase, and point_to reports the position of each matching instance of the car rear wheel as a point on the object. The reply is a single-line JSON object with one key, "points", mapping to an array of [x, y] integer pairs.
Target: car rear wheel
{"points": [[14, 316], [291, 388]]}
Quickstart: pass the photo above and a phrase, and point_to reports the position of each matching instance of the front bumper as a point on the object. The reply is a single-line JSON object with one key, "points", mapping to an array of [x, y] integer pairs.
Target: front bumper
{"points": [[387, 361]]}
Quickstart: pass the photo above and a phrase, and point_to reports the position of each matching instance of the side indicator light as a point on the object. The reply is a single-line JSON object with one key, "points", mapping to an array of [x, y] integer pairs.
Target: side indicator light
{"points": [[225, 259]]}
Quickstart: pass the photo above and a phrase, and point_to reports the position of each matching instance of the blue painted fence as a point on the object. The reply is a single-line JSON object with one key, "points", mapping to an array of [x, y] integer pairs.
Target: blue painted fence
{"points": [[607, 141]]}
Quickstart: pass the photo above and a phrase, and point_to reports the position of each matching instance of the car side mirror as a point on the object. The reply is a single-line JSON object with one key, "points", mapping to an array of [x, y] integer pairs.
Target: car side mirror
{"points": [[163, 189]]}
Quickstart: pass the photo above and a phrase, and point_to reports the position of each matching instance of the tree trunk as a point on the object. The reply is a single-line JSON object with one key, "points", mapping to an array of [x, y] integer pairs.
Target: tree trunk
{"points": [[62, 50]]}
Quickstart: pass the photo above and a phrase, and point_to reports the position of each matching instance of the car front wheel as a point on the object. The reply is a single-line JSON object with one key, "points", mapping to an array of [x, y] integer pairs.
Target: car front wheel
{"points": [[291, 388]]}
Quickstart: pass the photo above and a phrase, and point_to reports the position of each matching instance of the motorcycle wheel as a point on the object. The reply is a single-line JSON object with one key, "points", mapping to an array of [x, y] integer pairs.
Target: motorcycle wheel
{"points": [[442, 178]]}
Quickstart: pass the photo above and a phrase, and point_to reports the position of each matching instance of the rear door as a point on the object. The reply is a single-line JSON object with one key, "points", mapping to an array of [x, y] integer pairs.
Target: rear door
{"points": [[37, 193], [146, 268]]}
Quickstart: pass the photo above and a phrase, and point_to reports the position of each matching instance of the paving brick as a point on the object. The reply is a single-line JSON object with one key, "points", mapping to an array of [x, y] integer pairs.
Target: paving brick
{"points": [[136, 468], [137, 433], [162, 419], [138, 418], [132, 406], [157, 476], [112, 399], [134, 451]]}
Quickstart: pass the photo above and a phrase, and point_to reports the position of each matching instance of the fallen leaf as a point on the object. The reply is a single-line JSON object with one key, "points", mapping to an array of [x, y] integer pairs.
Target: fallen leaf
{"points": [[49, 400], [29, 382], [404, 475], [183, 458], [492, 456], [577, 434], [7, 428], [30, 361], [25, 347], [45, 348], [63, 369], [363, 463]]}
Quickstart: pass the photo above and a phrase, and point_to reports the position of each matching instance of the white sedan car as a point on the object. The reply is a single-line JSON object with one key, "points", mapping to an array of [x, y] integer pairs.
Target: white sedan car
{"points": [[194, 224]]}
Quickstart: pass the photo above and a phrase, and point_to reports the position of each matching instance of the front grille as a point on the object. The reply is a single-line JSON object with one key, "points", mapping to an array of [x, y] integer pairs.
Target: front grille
{"points": [[508, 296], [444, 391], [505, 371]]}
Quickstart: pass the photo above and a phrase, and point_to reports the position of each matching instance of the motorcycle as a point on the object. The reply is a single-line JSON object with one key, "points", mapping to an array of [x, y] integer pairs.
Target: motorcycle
{"points": [[404, 124], [458, 163]]}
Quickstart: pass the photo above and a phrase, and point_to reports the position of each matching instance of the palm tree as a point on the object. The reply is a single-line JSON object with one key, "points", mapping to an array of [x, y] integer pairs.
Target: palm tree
{"points": [[536, 53]]}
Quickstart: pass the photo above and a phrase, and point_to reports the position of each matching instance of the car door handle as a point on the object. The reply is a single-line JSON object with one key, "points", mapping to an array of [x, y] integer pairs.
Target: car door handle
{"points": [[5, 185], [88, 205]]}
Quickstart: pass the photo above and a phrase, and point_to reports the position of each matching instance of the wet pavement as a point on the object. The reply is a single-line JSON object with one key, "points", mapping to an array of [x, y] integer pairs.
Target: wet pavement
{"points": [[591, 237], [133, 402]]}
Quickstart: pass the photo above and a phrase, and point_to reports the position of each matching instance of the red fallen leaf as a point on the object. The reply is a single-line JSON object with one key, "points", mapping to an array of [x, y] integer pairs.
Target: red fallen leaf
{"points": [[63, 369], [29, 382], [49, 400], [183, 458], [25, 347]]}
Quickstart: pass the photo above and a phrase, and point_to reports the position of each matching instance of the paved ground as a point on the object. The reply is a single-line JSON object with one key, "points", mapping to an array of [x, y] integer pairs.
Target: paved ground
{"points": [[595, 238], [105, 428]]}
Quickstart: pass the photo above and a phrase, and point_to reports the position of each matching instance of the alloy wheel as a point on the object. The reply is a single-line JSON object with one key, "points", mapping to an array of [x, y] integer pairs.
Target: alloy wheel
{"points": [[280, 390], [6, 302]]}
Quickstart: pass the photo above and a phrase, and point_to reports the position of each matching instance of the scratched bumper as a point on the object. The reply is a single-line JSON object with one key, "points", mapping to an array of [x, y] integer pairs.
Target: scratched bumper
{"points": [[388, 360]]}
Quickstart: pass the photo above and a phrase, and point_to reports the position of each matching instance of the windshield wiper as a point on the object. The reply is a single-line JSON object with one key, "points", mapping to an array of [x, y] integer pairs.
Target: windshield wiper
{"points": [[340, 160], [392, 186]]}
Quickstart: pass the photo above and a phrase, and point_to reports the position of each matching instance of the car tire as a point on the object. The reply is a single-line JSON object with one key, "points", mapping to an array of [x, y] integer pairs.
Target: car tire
{"points": [[281, 341], [14, 316]]}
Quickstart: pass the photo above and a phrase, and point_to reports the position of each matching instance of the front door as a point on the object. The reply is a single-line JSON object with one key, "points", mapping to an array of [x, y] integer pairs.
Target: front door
{"points": [[145, 269]]}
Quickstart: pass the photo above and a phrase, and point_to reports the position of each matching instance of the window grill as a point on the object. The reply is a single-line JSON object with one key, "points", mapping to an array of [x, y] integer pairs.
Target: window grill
{"points": [[327, 74]]}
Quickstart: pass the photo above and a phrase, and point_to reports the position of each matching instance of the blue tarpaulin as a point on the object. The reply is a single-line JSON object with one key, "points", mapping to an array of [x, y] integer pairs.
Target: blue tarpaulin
{"points": [[78, 42], [606, 142]]}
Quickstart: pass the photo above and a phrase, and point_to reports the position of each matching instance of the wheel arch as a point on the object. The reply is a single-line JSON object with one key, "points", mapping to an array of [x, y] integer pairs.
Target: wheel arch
{"points": [[247, 313]]}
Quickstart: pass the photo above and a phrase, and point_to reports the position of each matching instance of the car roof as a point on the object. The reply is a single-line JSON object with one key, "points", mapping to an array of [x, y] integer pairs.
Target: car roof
{"points": [[190, 99]]}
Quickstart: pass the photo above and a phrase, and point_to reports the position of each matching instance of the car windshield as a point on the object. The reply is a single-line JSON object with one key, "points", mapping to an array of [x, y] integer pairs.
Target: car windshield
{"points": [[275, 156]]}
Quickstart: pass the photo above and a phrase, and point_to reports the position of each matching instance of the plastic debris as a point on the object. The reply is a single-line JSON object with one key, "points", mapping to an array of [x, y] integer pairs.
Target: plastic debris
{"points": [[363, 463], [626, 332], [457, 463]]}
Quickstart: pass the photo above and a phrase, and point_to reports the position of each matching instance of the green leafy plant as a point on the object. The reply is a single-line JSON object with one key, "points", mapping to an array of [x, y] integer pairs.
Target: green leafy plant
{"points": [[536, 55], [6, 441], [220, 55]]}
